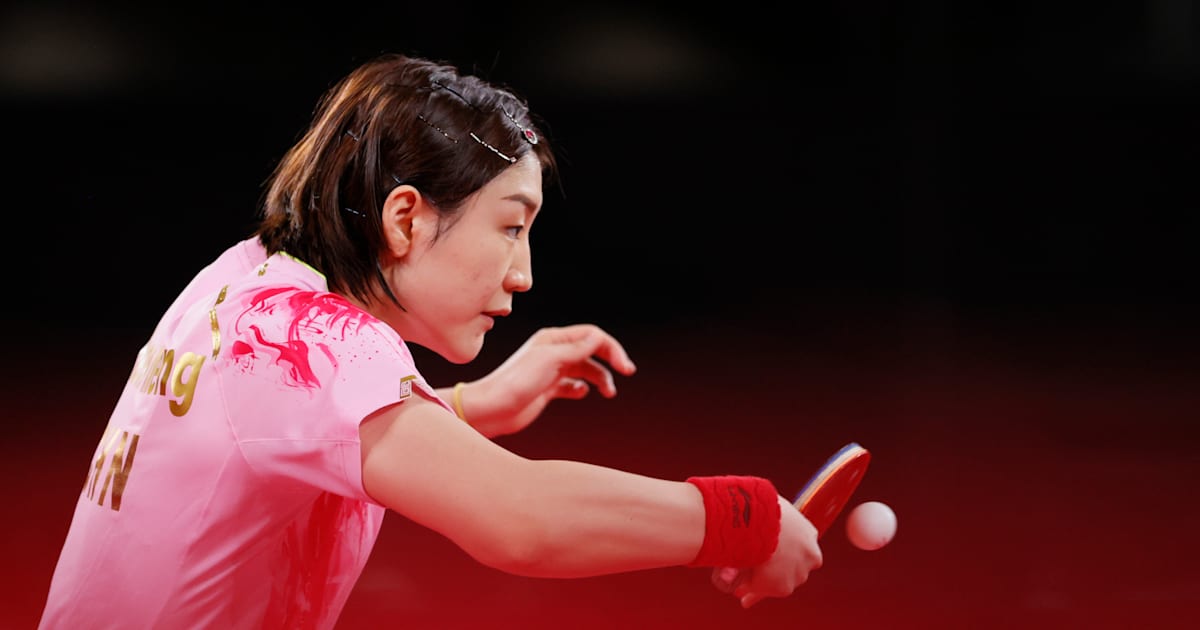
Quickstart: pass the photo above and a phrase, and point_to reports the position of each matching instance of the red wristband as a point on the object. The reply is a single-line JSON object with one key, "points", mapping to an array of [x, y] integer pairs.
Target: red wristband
{"points": [[741, 526]]}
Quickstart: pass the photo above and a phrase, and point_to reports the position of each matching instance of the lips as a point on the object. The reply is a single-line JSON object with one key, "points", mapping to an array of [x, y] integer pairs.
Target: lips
{"points": [[491, 316]]}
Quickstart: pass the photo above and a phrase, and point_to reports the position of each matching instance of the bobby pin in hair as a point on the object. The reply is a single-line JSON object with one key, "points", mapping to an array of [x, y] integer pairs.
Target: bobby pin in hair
{"points": [[529, 135]]}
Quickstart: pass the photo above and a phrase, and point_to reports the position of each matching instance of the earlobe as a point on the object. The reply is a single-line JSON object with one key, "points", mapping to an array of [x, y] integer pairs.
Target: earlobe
{"points": [[399, 209]]}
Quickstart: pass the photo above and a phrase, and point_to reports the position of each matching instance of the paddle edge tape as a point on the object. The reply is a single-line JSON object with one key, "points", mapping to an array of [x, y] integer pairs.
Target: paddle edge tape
{"points": [[851, 452]]}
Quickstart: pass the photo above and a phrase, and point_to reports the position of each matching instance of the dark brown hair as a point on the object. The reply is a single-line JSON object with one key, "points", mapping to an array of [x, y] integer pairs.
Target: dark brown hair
{"points": [[395, 119]]}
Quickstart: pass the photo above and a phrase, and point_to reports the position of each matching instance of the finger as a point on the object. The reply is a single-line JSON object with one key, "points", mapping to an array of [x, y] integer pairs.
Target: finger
{"points": [[724, 579], [750, 599], [594, 372], [592, 340], [572, 389], [728, 574]]}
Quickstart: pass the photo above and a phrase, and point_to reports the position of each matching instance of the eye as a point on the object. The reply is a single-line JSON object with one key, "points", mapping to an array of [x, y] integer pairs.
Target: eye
{"points": [[514, 231]]}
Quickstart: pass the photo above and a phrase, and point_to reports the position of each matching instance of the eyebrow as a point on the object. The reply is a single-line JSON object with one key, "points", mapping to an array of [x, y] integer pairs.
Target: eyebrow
{"points": [[521, 198]]}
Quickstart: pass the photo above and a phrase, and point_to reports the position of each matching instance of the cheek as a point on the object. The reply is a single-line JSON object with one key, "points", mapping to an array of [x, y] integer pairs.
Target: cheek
{"points": [[470, 276], [485, 265]]}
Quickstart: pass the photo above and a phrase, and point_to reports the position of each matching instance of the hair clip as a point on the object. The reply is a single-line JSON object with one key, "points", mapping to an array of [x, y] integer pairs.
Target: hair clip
{"points": [[439, 129], [530, 135], [456, 93], [494, 149]]}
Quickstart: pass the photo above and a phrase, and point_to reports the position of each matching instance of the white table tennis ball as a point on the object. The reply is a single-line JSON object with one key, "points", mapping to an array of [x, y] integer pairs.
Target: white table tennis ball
{"points": [[871, 525]]}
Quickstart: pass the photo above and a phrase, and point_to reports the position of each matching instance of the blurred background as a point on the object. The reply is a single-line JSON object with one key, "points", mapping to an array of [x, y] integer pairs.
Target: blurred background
{"points": [[963, 237]]}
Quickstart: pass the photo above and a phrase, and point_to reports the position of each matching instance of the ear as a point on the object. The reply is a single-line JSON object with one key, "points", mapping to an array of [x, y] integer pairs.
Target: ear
{"points": [[402, 206]]}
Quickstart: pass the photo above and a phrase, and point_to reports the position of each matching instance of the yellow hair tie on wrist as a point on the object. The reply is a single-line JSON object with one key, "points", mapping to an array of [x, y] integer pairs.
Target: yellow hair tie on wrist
{"points": [[458, 410]]}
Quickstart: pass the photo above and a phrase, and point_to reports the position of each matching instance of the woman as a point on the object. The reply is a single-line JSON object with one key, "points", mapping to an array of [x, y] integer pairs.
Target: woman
{"points": [[275, 412]]}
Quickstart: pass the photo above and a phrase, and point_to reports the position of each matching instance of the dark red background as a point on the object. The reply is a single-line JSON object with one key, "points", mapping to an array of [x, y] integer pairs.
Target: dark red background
{"points": [[1042, 478]]}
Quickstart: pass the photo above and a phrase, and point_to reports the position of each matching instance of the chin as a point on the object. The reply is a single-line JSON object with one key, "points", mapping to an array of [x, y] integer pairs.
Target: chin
{"points": [[463, 354]]}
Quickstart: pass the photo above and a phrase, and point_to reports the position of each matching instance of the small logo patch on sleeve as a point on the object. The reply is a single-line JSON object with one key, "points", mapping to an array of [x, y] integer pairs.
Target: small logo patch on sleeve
{"points": [[406, 385]]}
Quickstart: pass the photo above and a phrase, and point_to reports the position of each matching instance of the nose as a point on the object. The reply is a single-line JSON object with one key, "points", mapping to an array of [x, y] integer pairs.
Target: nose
{"points": [[520, 275], [518, 281]]}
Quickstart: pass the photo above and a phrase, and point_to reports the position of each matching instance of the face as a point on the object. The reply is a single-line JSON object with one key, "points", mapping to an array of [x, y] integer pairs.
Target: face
{"points": [[454, 285]]}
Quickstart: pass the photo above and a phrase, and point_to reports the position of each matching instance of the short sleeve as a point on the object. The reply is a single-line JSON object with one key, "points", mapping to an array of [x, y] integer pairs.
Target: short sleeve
{"points": [[301, 372]]}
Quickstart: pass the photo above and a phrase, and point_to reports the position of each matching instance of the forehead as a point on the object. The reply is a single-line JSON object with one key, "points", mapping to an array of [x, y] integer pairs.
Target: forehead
{"points": [[521, 183]]}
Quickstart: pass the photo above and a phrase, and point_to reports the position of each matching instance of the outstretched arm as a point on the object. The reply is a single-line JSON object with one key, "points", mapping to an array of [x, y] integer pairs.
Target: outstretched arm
{"points": [[549, 518]]}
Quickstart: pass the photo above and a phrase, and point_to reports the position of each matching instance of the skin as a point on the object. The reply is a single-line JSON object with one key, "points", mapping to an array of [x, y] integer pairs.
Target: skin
{"points": [[454, 287], [546, 518]]}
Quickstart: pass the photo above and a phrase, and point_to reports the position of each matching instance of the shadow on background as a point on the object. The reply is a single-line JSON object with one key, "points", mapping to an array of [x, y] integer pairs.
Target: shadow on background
{"points": [[963, 239]]}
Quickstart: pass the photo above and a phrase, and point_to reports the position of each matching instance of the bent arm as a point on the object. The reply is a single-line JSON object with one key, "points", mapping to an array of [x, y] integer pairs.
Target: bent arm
{"points": [[541, 518]]}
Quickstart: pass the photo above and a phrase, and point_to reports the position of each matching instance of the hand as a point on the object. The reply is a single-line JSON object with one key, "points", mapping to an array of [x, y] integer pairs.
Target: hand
{"points": [[553, 363], [797, 555]]}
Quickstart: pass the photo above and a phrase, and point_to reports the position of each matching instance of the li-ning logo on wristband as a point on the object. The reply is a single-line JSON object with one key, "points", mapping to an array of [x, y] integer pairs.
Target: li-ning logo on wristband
{"points": [[406, 385], [739, 503]]}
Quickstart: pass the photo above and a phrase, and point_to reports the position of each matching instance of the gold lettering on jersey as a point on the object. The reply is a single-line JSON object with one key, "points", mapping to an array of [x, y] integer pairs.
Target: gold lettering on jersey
{"points": [[147, 371], [157, 368], [185, 390], [212, 318], [122, 445]]}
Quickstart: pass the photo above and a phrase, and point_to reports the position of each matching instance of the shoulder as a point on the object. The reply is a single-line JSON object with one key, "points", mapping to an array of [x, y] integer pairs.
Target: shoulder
{"points": [[305, 313]]}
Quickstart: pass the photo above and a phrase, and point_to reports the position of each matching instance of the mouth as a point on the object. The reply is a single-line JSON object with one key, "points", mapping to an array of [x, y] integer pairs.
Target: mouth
{"points": [[491, 316]]}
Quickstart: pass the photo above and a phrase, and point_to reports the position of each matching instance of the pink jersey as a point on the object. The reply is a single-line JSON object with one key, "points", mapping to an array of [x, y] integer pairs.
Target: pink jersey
{"points": [[226, 491]]}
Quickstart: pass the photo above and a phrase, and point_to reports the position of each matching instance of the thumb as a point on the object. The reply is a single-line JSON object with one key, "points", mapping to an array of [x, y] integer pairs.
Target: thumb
{"points": [[572, 388], [750, 599]]}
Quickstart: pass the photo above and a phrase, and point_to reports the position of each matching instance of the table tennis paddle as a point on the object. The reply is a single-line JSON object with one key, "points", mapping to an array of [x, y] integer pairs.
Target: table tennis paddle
{"points": [[829, 489]]}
